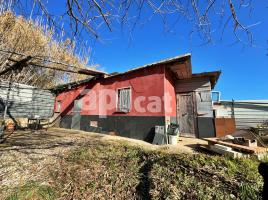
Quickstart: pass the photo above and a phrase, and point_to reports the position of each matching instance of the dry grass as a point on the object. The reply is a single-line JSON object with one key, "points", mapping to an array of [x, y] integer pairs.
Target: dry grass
{"points": [[67, 164], [32, 37]]}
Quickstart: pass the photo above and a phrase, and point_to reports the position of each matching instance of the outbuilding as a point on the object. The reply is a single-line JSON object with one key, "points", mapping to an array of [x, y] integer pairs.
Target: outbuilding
{"points": [[132, 103]]}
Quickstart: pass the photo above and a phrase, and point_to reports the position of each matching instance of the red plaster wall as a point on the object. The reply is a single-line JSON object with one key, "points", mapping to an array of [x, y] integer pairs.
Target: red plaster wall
{"points": [[146, 82], [170, 94], [67, 98]]}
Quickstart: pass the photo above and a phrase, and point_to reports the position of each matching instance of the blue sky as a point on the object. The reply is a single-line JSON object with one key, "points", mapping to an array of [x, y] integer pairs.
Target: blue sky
{"points": [[244, 69]]}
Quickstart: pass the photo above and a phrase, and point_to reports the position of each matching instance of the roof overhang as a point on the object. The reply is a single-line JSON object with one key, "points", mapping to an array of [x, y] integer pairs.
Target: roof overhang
{"points": [[181, 66], [213, 77], [91, 72], [68, 86]]}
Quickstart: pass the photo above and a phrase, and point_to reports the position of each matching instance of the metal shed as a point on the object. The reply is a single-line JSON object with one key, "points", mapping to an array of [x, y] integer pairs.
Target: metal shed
{"points": [[24, 101]]}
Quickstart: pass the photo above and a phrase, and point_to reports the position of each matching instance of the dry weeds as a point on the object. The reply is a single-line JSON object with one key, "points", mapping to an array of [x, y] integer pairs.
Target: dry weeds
{"points": [[68, 164], [33, 38]]}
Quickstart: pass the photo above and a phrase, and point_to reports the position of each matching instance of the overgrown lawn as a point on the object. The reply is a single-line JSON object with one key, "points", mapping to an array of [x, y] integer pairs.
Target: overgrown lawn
{"points": [[121, 171]]}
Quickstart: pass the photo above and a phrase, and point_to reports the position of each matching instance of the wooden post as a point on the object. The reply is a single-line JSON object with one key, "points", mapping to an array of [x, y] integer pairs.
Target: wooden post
{"points": [[5, 111], [233, 112]]}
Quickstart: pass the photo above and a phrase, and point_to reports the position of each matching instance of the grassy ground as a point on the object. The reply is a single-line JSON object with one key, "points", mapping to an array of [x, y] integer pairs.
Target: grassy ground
{"points": [[104, 169], [120, 171]]}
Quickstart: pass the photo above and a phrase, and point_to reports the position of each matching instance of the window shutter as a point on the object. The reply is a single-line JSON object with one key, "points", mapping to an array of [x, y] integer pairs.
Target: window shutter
{"points": [[124, 100]]}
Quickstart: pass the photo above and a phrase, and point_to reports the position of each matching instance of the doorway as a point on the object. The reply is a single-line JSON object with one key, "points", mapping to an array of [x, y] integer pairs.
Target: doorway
{"points": [[186, 114], [76, 118]]}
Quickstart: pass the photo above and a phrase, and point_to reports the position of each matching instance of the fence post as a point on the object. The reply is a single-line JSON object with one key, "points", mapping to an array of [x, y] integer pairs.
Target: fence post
{"points": [[233, 112]]}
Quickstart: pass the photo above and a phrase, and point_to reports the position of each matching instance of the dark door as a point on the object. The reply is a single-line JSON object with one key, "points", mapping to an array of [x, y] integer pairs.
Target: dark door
{"points": [[186, 114], [76, 118]]}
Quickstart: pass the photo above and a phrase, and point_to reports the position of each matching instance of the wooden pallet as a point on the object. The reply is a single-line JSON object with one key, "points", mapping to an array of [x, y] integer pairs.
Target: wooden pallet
{"points": [[251, 150]]}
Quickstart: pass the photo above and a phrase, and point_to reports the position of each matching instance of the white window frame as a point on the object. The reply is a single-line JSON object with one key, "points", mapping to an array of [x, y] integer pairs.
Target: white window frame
{"points": [[130, 99]]}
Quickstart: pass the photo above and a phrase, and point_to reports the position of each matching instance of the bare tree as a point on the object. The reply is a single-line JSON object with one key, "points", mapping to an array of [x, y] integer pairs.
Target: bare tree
{"points": [[90, 15]]}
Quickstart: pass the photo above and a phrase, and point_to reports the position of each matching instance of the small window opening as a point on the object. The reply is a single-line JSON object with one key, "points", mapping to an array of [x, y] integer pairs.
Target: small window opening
{"points": [[124, 100]]}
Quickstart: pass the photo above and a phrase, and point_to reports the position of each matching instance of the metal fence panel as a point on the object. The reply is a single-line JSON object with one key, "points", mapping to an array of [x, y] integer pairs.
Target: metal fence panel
{"points": [[26, 101], [246, 113]]}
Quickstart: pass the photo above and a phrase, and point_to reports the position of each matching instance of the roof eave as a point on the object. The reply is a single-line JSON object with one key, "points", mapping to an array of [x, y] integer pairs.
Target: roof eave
{"points": [[170, 61], [213, 77]]}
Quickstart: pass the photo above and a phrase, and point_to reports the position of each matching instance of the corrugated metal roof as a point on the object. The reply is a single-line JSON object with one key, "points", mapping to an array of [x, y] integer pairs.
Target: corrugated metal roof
{"points": [[180, 58], [70, 85]]}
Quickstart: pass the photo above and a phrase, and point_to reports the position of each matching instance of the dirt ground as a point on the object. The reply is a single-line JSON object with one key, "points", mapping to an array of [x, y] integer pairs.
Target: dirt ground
{"points": [[26, 155]]}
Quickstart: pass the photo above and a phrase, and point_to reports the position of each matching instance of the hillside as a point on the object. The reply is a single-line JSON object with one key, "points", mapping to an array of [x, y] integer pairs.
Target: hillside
{"points": [[95, 168]]}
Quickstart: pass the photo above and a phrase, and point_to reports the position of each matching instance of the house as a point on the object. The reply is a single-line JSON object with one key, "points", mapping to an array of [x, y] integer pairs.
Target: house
{"points": [[132, 103]]}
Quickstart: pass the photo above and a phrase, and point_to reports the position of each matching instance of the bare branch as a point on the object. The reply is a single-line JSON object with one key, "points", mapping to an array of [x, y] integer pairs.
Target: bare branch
{"points": [[204, 16]]}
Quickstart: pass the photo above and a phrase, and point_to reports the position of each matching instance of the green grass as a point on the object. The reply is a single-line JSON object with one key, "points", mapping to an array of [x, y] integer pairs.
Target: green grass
{"points": [[32, 191], [120, 171]]}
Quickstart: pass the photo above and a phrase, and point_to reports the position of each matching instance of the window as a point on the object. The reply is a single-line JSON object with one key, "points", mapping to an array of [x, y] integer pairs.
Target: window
{"points": [[204, 96], [216, 96], [123, 100]]}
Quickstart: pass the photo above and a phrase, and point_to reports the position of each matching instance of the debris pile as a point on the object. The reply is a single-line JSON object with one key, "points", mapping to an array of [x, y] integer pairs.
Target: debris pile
{"points": [[240, 144]]}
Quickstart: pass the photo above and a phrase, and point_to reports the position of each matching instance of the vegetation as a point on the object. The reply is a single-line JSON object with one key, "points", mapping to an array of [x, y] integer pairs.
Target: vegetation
{"points": [[32, 191], [120, 171], [33, 38], [208, 20]]}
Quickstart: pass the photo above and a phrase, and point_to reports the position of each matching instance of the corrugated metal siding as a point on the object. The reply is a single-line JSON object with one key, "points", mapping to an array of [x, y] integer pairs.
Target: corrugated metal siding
{"points": [[26, 101], [246, 113]]}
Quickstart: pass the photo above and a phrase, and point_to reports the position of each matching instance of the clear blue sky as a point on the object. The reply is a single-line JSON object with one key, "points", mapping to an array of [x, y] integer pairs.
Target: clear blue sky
{"points": [[244, 70]]}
